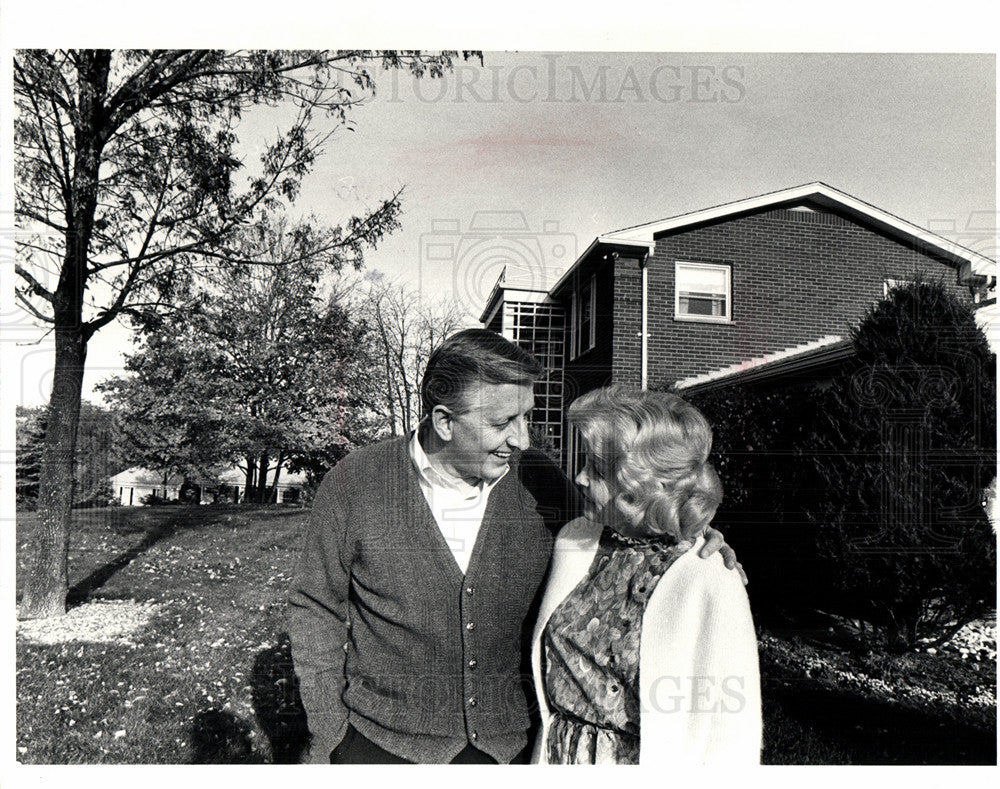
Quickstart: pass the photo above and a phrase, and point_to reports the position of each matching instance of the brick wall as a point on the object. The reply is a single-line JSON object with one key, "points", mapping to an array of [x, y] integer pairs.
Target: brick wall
{"points": [[627, 368], [796, 277]]}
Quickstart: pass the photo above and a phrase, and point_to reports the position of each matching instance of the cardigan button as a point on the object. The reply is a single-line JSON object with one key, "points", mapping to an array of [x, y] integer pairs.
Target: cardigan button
{"points": [[470, 626], [470, 591], [473, 663], [475, 735]]}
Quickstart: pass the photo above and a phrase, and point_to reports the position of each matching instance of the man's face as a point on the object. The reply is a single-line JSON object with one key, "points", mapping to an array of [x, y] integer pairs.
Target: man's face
{"points": [[491, 425]]}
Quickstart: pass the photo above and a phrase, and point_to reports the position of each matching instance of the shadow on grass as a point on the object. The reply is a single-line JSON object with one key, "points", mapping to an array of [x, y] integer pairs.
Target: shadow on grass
{"points": [[808, 723], [277, 704], [159, 523], [81, 591], [219, 737]]}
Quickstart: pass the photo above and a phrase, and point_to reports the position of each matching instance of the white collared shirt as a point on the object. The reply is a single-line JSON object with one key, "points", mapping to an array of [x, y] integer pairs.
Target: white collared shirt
{"points": [[457, 506]]}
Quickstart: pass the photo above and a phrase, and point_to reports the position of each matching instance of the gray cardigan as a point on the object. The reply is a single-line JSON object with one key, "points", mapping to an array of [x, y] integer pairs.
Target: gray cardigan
{"points": [[388, 635]]}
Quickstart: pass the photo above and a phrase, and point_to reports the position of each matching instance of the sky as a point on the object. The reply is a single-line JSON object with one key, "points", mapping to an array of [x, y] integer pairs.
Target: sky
{"points": [[569, 145]]}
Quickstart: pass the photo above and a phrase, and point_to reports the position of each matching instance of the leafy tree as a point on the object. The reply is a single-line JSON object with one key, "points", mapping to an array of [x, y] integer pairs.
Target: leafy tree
{"points": [[759, 435], [901, 456], [30, 441], [165, 404], [125, 165], [258, 369], [98, 455]]}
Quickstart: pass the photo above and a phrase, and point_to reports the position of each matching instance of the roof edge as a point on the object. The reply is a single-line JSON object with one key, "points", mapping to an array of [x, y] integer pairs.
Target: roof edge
{"points": [[826, 194], [825, 349]]}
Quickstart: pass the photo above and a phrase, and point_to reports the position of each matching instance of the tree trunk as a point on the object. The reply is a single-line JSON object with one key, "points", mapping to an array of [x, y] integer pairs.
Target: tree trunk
{"points": [[251, 476], [388, 368], [902, 631], [262, 479], [47, 578], [273, 498], [47, 572]]}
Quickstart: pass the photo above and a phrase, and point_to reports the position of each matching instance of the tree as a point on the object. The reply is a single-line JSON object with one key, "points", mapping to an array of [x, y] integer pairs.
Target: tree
{"points": [[30, 441], [98, 455], [165, 404], [124, 167], [901, 457], [405, 330], [759, 436], [258, 369]]}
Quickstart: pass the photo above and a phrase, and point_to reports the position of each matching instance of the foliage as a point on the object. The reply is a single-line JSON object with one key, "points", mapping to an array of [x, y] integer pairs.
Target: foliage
{"points": [[132, 155], [906, 445], [125, 167], [259, 368], [758, 437], [30, 438], [99, 455], [865, 497]]}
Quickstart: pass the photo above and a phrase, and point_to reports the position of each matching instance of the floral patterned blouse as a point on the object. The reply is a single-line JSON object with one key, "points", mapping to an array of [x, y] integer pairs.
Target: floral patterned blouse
{"points": [[590, 653]]}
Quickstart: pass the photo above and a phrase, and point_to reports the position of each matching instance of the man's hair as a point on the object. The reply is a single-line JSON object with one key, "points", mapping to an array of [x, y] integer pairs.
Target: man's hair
{"points": [[654, 448], [468, 357]]}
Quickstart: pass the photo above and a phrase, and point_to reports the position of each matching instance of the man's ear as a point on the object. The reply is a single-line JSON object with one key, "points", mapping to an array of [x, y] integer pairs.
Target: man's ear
{"points": [[442, 422]]}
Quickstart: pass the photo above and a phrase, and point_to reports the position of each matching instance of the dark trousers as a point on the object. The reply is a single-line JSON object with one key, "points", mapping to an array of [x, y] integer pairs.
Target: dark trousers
{"points": [[355, 748]]}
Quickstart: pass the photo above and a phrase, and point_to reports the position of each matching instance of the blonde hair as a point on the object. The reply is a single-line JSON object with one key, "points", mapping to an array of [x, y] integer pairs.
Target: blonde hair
{"points": [[655, 448]]}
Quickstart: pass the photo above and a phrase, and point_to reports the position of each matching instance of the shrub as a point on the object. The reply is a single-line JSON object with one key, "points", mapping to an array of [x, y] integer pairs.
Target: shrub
{"points": [[155, 500], [758, 435], [864, 496], [903, 449]]}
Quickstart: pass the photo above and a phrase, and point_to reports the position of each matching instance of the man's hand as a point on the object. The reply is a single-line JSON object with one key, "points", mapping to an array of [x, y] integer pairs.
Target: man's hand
{"points": [[714, 541]]}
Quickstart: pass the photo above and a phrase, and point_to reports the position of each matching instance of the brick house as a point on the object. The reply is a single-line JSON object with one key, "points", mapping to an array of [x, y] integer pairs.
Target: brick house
{"points": [[765, 287]]}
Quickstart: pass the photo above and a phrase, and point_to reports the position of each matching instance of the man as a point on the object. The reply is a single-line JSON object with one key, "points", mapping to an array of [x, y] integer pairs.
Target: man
{"points": [[420, 568]]}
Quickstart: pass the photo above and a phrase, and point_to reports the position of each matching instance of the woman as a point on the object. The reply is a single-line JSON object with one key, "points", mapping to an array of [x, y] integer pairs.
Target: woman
{"points": [[644, 653]]}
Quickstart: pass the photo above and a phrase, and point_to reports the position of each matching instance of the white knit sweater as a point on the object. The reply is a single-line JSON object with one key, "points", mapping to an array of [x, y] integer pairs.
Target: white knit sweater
{"points": [[699, 681]]}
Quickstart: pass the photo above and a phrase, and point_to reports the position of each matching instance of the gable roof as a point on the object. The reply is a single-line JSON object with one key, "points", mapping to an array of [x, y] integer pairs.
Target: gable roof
{"points": [[819, 193]]}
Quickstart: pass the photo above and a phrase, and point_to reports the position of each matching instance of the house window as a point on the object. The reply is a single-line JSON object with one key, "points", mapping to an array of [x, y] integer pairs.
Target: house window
{"points": [[584, 325], [703, 292]]}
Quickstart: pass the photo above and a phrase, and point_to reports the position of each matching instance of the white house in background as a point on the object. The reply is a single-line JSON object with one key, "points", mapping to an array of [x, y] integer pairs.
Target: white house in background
{"points": [[288, 489], [134, 484]]}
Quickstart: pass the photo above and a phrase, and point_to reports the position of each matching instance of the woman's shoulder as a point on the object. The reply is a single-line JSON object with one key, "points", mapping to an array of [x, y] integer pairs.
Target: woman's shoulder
{"points": [[693, 577]]}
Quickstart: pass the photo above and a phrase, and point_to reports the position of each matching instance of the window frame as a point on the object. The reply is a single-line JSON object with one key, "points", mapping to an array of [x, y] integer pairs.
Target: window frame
{"points": [[576, 349], [687, 317], [893, 282]]}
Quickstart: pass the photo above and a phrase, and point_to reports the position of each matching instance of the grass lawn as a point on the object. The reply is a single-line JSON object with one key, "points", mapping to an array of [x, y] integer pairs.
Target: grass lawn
{"points": [[209, 678]]}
